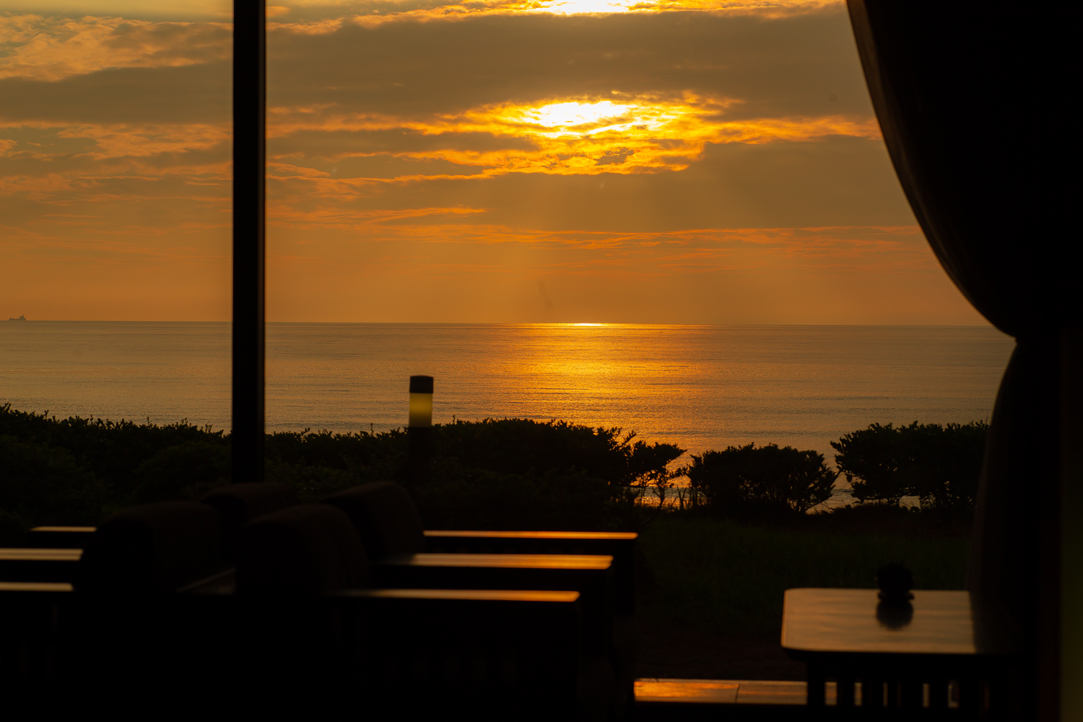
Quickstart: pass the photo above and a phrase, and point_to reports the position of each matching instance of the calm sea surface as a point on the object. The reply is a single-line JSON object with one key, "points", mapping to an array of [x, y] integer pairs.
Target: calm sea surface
{"points": [[702, 387]]}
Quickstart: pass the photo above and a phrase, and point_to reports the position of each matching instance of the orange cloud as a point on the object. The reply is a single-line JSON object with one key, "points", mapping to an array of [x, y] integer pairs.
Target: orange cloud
{"points": [[582, 135], [355, 220], [54, 48], [844, 244], [461, 10], [130, 141]]}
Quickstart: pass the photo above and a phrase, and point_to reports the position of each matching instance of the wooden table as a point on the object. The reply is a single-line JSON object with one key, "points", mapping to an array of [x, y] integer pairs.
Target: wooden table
{"points": [[39, 565], [883, 657], [590, 575], [619, 545]]}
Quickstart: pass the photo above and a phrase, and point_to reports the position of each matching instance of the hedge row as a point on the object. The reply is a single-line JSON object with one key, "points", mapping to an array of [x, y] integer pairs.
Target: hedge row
{"points": [[939, 465], [511, 473]]}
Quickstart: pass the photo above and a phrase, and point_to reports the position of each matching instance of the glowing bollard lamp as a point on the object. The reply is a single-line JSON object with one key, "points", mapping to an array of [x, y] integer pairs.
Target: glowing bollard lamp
{"points": [[420, 402], [419, 431]]}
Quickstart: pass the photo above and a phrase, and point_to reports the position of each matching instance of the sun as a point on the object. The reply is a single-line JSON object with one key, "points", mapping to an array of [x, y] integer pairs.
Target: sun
{"points": [[592, 119], [579, 7]]}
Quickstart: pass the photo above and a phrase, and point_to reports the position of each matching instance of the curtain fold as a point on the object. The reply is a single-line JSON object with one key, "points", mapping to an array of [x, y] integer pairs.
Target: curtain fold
{"points": [[973, 102]]}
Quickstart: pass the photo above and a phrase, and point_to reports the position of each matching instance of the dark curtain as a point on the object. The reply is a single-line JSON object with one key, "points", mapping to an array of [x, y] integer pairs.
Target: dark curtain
{"points": [[973, 103]]}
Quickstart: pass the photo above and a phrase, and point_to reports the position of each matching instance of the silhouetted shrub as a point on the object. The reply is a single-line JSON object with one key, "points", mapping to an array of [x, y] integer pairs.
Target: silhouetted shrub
{"points": [[312, 482], [113, 450], [346, 452], [510, 473], [183, 472], [520, 446], [545, 474], [746, 480], [940, 465], [45, 485], [460, 498]]}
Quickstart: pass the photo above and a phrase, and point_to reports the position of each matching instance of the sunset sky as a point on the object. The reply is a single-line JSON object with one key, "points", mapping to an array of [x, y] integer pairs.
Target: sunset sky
{"points": [[680, 161]]}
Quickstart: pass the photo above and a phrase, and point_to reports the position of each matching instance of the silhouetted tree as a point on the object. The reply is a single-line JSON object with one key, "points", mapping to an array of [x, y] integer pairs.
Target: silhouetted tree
{"points": [[938, 464], [744, 480]]}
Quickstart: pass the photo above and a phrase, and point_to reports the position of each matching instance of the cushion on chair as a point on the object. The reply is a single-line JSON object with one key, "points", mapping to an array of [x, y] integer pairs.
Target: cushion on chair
{"points": [[385, 518], [240, 503], [301, 550], [152, 548]]}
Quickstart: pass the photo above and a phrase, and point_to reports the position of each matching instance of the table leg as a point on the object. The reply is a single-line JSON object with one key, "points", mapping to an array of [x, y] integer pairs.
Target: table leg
{"points": [[938, 695], [892, 696], [971, 697], [817, 683], [911, 693], [872, 692], [844, 690]]}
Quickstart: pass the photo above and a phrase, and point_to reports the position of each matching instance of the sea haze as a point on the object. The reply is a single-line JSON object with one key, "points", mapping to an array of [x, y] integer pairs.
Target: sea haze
{"points": [[701, 387]]}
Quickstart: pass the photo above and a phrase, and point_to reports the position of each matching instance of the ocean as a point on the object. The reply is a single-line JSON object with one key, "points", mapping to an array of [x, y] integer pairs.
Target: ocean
{"points": [[701, 387]]}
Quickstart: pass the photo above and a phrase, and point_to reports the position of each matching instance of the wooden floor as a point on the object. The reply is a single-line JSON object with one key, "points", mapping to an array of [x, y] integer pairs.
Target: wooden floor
{"points": [[721, 691], [689, 699]]}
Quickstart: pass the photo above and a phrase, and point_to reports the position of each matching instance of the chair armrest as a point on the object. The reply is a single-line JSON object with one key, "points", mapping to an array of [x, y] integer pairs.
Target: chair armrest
{"points": [[619, 545]]}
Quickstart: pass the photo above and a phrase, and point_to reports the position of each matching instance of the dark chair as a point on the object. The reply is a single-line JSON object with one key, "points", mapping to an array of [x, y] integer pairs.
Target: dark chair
{"points": [[237, 504], [134, 626], [55, 551], [102, 621], [152, 549]]}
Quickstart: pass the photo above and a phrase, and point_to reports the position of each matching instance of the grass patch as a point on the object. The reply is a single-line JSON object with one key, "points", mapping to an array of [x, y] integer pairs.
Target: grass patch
{"points": [[729, 577]]}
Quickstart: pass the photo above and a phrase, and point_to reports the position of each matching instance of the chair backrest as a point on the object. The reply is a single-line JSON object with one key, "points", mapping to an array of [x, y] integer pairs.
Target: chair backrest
{"points": [[385, 518], [238, 504], [299, 551], [152, 548]]}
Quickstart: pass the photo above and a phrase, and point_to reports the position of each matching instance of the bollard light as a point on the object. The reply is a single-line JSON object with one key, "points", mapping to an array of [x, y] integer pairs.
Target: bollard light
{"points": [[420, 402]]}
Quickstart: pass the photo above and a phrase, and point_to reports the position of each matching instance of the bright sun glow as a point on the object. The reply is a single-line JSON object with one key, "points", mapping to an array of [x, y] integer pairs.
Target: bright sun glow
{"points": [[458, 9], [593, 119], [577, 7], [587, 136]]}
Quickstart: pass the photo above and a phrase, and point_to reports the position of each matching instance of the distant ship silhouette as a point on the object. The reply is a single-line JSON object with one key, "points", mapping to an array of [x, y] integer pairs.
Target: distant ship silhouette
{"points": [[20, 318]]}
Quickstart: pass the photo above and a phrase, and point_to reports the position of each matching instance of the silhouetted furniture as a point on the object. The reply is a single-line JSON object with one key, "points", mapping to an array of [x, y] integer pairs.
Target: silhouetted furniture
{"points": [[39, 565], [55, 551], [127, 627], [388, 523], [898, 654], [114, 620], [236, 505], [59, 537], [302, 572], [153, 548], [153, 616], [619, 545]]}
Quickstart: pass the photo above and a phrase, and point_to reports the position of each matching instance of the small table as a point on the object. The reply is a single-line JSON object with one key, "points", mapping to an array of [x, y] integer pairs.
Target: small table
{"points": [[849, 636]]}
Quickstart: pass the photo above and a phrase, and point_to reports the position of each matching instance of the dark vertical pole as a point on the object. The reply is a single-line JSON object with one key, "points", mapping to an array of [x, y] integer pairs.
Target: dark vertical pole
{"points": [[249, 102]]}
